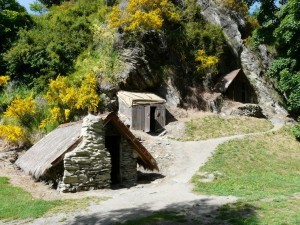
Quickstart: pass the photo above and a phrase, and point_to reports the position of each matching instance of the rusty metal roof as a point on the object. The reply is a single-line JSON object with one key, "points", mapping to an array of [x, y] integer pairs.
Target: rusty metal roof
{"points": [[225, 81], [139, 98], [145, 158]]}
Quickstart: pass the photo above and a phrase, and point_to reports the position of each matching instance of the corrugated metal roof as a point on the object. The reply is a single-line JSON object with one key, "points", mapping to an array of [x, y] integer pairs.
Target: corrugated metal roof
{"points": [[225, 81], [139, 98]]}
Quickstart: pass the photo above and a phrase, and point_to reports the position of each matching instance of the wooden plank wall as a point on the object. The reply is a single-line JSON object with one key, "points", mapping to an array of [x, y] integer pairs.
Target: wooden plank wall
{"points": [[141, 117]]}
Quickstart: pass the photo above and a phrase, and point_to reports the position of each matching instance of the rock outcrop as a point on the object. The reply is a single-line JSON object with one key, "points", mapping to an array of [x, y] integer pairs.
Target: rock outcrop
{"points": [[251, 110], [250, 63]]}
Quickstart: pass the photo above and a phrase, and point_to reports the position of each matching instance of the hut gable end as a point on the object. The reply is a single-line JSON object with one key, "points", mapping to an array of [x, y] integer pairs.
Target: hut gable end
{"points": [[236, 86], [94, 154]]}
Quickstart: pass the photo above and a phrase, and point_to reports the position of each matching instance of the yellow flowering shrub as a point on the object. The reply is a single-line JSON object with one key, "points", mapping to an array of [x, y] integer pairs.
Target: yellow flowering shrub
{"points": [[12, 133], [19, 117], [66, 99], [21, 107], [237, 5], [87, 94], [143, 15], [21, 111], [4, 80], [206, 63]]}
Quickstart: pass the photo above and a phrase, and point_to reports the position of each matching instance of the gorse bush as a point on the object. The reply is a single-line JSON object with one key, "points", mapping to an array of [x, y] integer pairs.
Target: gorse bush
{"points": [[12, 133], [66, 99], [4, 80], [22, 111], [49, 47], [206, 63], [141, 15], [19, 120]]}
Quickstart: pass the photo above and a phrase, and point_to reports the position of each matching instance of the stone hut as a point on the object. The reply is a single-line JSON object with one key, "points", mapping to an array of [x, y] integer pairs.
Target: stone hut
{"points": [[95, 153], [236, 87], [143, 111]]}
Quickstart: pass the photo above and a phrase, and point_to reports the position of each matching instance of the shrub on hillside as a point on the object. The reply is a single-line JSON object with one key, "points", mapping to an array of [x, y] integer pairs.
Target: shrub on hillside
{"points": [[143, 15], [66, 99]]}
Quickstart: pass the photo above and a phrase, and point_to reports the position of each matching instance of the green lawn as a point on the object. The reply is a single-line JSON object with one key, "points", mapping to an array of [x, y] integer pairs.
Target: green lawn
{"points": [[264, 171], [217, 126], [15, 203]]}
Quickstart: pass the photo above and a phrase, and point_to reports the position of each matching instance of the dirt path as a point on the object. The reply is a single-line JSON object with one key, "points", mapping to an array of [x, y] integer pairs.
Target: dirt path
{"points": [[172, 192]]}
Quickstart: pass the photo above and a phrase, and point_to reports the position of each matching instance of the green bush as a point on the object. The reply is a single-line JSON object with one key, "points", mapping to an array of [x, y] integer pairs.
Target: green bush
{"points": [[54, 43], [296, 131]]}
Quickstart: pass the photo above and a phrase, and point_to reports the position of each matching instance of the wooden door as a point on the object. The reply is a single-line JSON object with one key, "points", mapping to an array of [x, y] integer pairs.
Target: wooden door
{"points": [[138, 117]]}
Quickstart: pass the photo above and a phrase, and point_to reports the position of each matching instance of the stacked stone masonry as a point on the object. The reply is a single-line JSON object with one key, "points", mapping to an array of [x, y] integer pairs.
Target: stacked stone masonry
{"points": [[128, 164], [88, 166]]}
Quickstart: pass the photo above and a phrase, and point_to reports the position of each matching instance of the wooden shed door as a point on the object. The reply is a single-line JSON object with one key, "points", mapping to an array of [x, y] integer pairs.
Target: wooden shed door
{"points": [[160, 117], [138, 117]]}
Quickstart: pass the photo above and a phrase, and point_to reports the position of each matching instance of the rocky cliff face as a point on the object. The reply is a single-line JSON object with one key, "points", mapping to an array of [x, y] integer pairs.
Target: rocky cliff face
{"points": [[144, 63], [251, 64]]}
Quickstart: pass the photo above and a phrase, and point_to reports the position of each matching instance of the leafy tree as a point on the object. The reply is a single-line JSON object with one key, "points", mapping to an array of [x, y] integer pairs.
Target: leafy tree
{"points": [[52, 45], [286, 68], [13, 16], [38, 7], [287, 33], [49, 3]]}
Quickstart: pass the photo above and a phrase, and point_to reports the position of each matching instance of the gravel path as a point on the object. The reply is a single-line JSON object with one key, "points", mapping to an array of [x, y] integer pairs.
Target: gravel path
{"points": [[169, 191]]}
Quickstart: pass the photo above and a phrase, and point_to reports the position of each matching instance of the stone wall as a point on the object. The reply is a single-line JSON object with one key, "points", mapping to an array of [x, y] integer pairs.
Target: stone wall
{"points": [[128, 164], [88, 166]]}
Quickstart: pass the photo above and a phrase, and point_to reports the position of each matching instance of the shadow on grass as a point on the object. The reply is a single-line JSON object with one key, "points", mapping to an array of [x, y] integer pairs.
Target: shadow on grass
{"points": [[201, 211]]}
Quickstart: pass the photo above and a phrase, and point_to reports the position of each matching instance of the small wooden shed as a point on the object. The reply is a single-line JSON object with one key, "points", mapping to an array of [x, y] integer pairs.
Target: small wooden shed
{"points": [[236, 86], [144, 111]]}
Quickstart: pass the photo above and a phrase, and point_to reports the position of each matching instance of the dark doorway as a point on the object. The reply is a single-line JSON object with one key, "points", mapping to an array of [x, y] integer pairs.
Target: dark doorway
{"points": [[152, 119], [244, 99], [112, 143]]}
